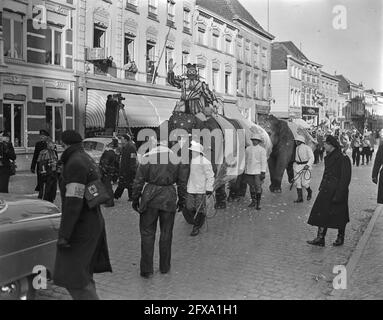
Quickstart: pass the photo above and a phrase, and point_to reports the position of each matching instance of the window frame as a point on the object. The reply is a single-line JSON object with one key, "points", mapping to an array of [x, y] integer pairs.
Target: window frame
{"points": [[12, 17], [12, 103]]}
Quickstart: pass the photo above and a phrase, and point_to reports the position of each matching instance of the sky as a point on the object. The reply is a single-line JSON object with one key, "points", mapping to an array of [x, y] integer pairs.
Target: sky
{"points": [[355, 50]]}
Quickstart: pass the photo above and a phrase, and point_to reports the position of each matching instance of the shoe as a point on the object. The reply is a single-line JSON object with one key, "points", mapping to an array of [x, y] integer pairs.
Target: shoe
{"points": [[339, 239], [252, 204], [320, 239], [309, 194], [195, 231], [146, 275], [258, 207], [220, 205], [165, 271]]}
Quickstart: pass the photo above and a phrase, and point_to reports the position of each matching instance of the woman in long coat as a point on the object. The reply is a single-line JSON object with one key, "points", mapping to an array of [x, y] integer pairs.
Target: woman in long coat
{"points": [[378, 163], [81, 247], [330, 209], [7, 154]]}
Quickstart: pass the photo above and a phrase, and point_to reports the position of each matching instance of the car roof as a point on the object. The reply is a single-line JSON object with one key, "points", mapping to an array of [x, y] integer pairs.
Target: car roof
{"points": [[101, 140]]}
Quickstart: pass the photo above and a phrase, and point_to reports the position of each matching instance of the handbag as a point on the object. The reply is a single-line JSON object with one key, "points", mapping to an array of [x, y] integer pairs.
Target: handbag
{"points": [[95, 191]]}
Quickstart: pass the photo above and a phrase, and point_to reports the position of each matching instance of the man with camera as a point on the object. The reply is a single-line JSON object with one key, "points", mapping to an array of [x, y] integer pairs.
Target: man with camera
{"points": [[7, 154]]}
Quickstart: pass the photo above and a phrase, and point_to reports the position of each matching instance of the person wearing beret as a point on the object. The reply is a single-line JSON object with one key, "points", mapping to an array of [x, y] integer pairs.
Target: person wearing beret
{"points": [[330, 209], [39, 146], [82, 248], [7, 154]]}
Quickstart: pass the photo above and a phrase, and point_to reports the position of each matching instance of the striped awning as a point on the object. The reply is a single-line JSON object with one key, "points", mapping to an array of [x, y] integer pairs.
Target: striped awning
{"points": [[141, 111]]}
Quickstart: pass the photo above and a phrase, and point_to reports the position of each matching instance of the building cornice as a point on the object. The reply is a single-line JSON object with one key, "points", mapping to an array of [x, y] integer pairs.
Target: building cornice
{"points": [[213, 15], [253, 28], [289, 56]]}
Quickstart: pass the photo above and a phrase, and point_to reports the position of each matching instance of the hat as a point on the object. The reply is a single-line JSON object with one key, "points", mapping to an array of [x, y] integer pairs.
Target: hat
{"points": [[197, 147], [5, 134], [256, 136], [70, 137], [333, 141], [44, 133], [300, 138]]}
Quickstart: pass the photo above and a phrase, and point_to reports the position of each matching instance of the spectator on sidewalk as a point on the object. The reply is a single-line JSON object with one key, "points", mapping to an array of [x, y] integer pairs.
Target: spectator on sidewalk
{"points": [[377, 173], [158, 202], [128, 167], [344, 142], [200, 185], [47, 166], [39, 146], [330, 209], [365, 149], [255, 169], [109, 167], [7, 154], [356, 149]]}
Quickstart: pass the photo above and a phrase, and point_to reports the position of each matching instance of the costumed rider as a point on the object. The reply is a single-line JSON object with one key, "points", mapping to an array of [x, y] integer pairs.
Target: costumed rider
{"points": [[255, 169], [304, 159], [200, 185]]}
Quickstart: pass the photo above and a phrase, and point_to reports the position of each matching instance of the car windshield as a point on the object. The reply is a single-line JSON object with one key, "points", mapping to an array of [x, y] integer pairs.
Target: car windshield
{"points": [[93, 146]]}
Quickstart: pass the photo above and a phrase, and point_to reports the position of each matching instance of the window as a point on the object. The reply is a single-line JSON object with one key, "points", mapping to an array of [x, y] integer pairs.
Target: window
{"points": [[256, 55], [264, 88], [239, 50], [247, 52], [187, 20], [202, 71], [185, 57], [13, 36], [128, 49], [227, 82], [256, 86], [247, 84], [171, 12], [99, 36], [292, 71], [54, 122], [13, 122], [169, 57], [302, 98], [215, 79], [53, 46], [201, 36], [228, 44], [150, 60], [239, 81], [152, 8], [215, 39], [264, 58], [307, 97], [132, 4]]}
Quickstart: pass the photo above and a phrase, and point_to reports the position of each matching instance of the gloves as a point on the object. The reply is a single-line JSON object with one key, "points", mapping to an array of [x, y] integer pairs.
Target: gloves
{"points": [[263, 176], [62, 243], [209, 193], [136, 205], [306, 167], [375, 180], [33, 170]]}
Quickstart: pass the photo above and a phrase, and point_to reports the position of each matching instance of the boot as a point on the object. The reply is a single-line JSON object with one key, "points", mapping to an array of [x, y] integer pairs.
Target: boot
{"points": [[340, 238], [258, 201], [319, 240], [300, 198], [309, 193], [253, 200]]}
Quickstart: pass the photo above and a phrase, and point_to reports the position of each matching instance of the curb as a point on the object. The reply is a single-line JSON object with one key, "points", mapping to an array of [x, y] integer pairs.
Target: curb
{"points": [[355, 256]]}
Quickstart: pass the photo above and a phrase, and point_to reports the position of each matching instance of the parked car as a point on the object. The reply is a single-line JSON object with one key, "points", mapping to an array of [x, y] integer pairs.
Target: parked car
{"points": [[96, 146], [28, 236]]}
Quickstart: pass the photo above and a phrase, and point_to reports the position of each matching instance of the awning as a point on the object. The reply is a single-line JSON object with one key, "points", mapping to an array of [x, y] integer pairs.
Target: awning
{"points": [[141, 111]]}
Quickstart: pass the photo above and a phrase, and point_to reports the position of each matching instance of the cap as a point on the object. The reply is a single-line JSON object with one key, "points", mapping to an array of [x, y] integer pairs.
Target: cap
{"points": [[70, 137], [44, 132], [197, 147], [333, 141]]}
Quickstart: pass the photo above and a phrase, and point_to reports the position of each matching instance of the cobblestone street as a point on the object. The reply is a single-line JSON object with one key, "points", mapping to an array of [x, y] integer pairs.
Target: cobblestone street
{"points": [[241, 254]]}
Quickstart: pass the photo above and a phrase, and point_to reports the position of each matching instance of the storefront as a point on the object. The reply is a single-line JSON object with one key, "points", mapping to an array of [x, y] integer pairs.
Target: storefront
{"points": [[311, 115]]}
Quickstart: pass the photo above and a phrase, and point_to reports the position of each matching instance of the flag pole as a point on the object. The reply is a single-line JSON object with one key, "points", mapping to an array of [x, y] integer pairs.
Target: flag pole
{"points": [[162, 52]]}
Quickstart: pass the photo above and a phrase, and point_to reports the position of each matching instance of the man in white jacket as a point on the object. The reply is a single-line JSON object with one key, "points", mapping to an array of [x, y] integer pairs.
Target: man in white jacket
{"points": [[304, 159], [255, 169], [200, 185]]}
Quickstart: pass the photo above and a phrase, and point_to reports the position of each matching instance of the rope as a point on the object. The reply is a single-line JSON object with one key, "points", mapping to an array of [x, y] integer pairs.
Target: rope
{"points": [[306, 175], [206, 214]]}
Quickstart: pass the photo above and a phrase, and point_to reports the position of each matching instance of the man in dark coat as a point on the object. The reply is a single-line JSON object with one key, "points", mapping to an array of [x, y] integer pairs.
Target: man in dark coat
{"points": [[158, 201], [128, 167], [81, 247], [7, 154], [376, 170], [330, 209], [39, 146], [109, 170]]}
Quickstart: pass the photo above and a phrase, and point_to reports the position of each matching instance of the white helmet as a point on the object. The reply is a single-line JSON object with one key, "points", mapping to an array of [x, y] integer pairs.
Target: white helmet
{"points": [[195, 146], [300, 138]]}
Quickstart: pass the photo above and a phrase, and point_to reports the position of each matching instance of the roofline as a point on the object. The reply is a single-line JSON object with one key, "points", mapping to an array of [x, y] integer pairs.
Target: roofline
{"points": [[312, 62], [295, 59], [249, 25], [215, 15], [327, 75]]}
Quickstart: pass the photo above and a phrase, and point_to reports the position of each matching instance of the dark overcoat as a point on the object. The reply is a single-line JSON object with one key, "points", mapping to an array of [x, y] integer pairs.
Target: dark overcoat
{"points": [[83, 227], [330, 209], [7, 153], [376, 171]]}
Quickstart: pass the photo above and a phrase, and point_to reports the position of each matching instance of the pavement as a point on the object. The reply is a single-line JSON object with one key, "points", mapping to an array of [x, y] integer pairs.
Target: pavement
{"points": [[242, 253]]}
